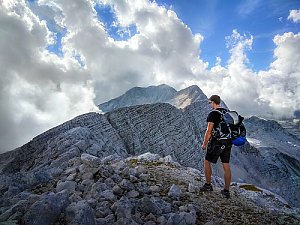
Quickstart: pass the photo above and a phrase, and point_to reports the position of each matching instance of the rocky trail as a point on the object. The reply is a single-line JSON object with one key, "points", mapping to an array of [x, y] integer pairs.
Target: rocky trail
{"points": [[145, 189]]}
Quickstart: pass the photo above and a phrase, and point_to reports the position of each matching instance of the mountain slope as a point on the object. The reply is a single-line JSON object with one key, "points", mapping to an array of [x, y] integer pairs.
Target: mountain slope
{"points": [[158, 128], [155, 94], [277, 156], [270, 159], [145, 189], [139, 96], [187, 96]]}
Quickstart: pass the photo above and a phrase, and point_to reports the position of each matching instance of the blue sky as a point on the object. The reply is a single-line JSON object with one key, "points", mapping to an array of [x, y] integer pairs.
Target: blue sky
{"points": [[215, 19]]}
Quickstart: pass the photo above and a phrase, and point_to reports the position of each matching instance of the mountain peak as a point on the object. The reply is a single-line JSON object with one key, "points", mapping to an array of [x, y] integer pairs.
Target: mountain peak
{"points": [[155, 94]]}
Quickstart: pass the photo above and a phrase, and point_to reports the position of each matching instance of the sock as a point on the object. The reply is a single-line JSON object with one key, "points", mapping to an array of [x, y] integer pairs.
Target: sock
{"points": [[225, 190], [207, 184]]}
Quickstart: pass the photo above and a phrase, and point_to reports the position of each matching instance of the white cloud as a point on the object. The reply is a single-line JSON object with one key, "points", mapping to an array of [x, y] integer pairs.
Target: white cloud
{"points": [[274, 93], [235, 83], [40, 90], [248, 6], [294, 15], [281, 83]]}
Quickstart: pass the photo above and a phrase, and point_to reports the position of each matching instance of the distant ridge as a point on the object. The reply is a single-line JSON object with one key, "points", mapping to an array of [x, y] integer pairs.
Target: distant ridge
{"points": [[157, 94], [140, 95]]}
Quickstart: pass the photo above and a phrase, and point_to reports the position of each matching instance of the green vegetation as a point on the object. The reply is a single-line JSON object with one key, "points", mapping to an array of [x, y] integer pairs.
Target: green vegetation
{"points": [[250, 187]]}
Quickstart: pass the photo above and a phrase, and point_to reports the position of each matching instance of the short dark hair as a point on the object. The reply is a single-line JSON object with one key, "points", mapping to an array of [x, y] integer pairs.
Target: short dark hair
{"points": [[216, 99]]}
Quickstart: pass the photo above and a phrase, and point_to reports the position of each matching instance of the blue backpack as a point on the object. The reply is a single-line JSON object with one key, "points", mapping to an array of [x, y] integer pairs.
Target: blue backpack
{"points": [[231, 127]]}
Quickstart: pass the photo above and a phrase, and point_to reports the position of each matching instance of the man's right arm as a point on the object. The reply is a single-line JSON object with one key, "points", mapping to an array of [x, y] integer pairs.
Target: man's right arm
{"points": [[208, 134]]}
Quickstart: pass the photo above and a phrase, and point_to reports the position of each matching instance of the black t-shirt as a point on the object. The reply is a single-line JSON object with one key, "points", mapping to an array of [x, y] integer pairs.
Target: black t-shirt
{"points": [[215, 117]]}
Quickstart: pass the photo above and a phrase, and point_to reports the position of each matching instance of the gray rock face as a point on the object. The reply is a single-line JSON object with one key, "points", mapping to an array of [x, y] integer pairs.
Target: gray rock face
{"points": [[157, 128], [156, 94], [175, 192], [187, 96], [86, 133], [90, 199], [272, 152], [47, 210], [80, 213], [84, 158], [140, 96], [272, 160]]}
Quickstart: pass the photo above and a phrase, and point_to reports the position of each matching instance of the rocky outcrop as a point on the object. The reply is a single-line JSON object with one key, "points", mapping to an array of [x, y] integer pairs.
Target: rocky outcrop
{"points": [[272, 152], [158, 128], [140, 96], [146, 189], [90, 133], [270, 159], [155, 94]]}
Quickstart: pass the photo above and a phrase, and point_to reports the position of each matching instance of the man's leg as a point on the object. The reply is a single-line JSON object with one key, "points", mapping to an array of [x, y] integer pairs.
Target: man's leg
{"points": [[207, 171], [227, 175]]}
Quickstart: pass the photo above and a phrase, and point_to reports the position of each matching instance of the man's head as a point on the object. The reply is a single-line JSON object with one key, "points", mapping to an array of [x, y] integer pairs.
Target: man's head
{"points": [[215, 100]]}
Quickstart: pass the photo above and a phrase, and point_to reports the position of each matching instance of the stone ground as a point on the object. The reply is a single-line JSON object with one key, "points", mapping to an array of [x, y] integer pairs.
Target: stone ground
{"points": [[146, 189], [214, 208]]}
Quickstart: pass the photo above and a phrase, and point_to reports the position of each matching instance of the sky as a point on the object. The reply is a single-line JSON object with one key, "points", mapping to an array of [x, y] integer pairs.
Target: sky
{"points": [[60, 59]]}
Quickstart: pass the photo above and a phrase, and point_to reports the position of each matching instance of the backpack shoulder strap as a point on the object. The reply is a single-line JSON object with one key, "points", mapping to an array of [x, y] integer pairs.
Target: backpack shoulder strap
{"points": [[222, 111]]}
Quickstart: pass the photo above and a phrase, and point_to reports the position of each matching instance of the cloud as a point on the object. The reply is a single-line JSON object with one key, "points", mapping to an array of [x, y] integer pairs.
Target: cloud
{"points": [[294, 15], [274, 93], [40, 89], [248, 6], [281, 83], [153, 55], [235, 83]]}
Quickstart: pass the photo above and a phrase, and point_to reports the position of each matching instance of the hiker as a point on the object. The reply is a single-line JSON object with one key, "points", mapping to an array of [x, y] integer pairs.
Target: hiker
{"points": [[216, 148]]}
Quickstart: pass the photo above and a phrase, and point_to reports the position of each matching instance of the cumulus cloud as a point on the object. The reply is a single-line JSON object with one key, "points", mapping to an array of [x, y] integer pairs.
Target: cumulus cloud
{"points": [[294, 15], [273, 93], [40, 89], [281, 83]]}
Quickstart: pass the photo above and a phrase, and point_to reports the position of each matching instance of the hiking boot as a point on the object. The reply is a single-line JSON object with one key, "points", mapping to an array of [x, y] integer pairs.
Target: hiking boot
{"points": [[206, 187], [225, 193]]}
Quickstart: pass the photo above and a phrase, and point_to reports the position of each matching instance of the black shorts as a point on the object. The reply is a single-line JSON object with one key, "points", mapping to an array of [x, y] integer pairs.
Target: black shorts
{"points": [[218, 148]]}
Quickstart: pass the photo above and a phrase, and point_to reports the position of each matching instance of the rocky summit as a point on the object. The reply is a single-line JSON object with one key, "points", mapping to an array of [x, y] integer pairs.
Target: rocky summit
{"points": [[143, 164], [144, 189], [271, 158]]}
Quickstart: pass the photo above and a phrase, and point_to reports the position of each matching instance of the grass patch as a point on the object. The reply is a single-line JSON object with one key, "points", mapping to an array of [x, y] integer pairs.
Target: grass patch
{"points": [[250, 187], [133, 162]]}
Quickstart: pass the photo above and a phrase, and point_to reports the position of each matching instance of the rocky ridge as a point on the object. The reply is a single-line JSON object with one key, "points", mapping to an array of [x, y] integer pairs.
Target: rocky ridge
{"points": [[146, 189], [272, 152], [139, 96], [158, 128], [156, 94]]}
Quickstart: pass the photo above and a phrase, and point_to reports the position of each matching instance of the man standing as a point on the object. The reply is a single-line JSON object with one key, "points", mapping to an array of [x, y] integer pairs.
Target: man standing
{"points": [[216, 148]]}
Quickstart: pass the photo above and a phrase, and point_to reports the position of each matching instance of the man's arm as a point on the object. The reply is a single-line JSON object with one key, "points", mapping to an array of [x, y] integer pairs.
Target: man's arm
{"points": [[207, 135]]}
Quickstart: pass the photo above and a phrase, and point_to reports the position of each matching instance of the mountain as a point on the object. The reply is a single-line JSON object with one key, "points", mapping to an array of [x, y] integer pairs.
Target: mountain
{"points": [[187, 96], [271, 159], [272, 151], [139, 96], [156, 94], [292, 126], [88, 169]]}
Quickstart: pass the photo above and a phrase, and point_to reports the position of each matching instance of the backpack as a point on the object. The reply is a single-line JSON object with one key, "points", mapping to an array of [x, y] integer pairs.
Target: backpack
{"points": [[231, 127]]}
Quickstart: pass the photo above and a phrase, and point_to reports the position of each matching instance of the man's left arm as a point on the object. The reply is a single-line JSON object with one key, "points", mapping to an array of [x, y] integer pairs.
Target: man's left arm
{"points": [[208, 134]]}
